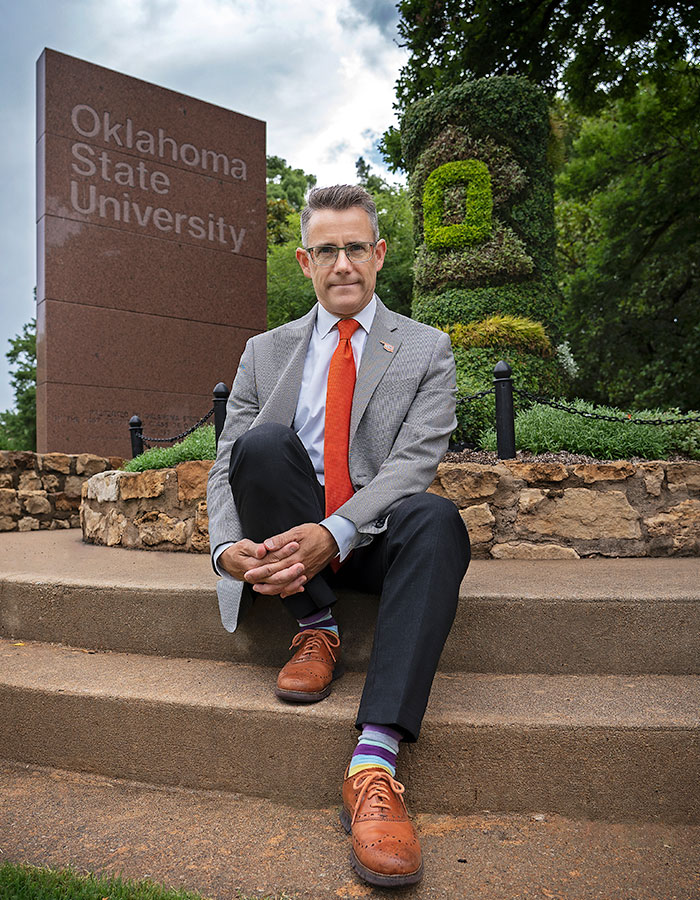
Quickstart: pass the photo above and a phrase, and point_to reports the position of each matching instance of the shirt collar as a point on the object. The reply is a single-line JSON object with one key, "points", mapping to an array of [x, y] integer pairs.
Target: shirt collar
{"points": [[325, 320]]}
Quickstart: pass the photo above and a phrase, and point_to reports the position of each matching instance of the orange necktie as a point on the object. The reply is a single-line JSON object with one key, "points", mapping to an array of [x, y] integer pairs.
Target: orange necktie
{"points": [[341, 384]]}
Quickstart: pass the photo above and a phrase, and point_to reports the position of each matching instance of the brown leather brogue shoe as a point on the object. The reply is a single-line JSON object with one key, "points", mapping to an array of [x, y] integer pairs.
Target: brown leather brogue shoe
{"points": [[308, 675], [385, 849]]}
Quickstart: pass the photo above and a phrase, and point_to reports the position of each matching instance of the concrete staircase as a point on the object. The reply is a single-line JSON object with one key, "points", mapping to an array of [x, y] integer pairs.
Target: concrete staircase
{"points": [[570, 687]]}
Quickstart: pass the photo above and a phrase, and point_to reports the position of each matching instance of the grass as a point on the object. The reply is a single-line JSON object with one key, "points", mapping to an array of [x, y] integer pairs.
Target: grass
{"points": [[201, 444], [541, 429], [23, 882]]}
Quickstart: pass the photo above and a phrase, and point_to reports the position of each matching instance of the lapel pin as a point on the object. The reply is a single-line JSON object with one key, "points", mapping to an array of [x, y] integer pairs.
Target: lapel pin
{"points": [[388, 347]]}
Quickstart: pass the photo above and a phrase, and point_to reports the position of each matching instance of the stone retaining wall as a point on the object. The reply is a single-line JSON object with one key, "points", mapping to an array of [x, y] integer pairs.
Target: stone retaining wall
{"points": [[42, 490], [514, 510]]}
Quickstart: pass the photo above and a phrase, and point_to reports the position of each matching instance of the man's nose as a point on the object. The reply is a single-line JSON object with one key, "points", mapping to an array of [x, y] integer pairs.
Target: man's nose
{"points": [[342, 263]]}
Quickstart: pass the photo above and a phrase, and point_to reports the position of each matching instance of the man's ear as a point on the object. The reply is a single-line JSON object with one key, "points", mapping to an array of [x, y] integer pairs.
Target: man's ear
{"points": [[304, 261], [380, 253]]}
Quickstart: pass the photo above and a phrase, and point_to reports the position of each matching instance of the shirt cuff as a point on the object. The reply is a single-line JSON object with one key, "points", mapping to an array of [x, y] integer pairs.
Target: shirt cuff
{"points": [[345, 534], [215, 560]]}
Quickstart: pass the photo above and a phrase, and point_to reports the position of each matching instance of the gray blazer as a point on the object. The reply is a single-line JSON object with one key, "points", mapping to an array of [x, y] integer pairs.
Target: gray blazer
{"points": [[403, 413]]}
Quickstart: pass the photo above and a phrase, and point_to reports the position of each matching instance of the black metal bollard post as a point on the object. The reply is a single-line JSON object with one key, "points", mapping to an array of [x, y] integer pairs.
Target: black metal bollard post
{"points": [[136, 431], [505, 418], [221, 393]]}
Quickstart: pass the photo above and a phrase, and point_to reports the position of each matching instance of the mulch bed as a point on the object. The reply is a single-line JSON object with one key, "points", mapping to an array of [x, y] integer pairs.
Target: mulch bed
{"points": [[490, 457]]}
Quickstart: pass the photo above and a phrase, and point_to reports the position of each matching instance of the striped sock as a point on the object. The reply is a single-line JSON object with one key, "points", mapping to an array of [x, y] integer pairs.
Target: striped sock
{"points": [[322, 618], [378, 745]]}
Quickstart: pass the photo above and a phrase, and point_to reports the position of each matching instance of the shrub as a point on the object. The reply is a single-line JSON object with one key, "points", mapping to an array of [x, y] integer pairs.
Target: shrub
{"points": [[475, 372], [511, 332], [541, 429], [201, 444]]}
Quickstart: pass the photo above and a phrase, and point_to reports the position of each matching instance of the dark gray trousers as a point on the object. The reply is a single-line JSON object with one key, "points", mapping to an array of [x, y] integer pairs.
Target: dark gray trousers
{"points": [[416, 566]]}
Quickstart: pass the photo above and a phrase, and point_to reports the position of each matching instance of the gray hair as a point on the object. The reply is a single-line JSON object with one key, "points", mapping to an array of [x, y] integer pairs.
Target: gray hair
{"points": [[338, 196]]}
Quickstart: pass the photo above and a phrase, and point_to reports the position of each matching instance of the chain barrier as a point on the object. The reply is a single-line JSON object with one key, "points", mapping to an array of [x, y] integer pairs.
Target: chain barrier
{"points": [[475, 396], [178, 437], [589, 415]]}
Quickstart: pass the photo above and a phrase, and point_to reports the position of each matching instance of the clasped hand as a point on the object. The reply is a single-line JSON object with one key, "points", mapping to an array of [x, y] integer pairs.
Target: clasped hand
{"points": [[282, 564]]}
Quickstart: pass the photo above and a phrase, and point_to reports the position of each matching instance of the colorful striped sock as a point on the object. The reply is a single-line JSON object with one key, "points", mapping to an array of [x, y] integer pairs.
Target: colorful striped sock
{"points": [[378, 745], [322, 618]]}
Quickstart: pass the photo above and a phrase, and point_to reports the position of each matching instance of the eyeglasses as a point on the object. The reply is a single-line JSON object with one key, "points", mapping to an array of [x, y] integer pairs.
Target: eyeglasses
{"points": [[356, 252]]}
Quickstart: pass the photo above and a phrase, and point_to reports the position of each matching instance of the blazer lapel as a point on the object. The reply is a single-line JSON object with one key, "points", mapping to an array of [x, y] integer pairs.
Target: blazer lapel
{"points": [[290, 345], [382, 344]]}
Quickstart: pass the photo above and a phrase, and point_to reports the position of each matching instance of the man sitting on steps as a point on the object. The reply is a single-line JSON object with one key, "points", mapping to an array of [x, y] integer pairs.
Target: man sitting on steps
{"points": [[334, 429]]}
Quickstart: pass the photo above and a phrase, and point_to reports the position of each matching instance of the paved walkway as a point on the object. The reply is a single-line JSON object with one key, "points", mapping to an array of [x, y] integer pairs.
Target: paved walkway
{"points": [[220, 843]]}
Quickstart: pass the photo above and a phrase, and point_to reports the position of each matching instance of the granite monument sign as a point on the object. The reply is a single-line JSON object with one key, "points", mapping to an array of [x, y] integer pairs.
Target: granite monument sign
{"points": [[151, 222]]}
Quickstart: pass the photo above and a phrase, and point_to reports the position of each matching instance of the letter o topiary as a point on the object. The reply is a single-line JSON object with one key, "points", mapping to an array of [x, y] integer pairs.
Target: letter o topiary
{"points": [[478, 204]]}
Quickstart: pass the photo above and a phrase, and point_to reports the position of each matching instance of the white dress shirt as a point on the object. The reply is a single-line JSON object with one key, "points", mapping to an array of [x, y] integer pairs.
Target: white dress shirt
{"points": [[310, 415]]}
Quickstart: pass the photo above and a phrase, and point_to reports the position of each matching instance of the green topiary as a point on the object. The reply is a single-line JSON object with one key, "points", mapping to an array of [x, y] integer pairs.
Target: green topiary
{"points": [[513, 332], [476, 213]]}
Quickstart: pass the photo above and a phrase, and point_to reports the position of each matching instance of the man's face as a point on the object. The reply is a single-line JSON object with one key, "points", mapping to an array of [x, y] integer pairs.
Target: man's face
{"points": [[346, 287]]}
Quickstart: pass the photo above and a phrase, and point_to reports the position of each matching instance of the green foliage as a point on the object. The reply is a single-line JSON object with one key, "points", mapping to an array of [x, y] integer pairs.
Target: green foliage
{"points": [[462, 305], [286, 183], [591, 51], [23, 882], [499, 260], [18, 425], [290, 294], [506, 175], [629, 242], [515, 332], [541, 429], [475, 372], [477, 204], [201, 444]]}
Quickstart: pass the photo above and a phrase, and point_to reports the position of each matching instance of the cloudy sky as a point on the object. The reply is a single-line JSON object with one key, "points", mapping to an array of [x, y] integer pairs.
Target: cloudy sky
{"points": [[321, 73]]}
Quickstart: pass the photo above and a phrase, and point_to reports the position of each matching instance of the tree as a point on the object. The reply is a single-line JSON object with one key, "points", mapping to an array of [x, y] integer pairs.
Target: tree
{"points": [[18, 425], [630, 247], [286, 192], [591, 49]]}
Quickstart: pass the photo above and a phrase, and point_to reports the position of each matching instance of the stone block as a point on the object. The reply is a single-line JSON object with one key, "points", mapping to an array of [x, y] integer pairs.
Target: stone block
{"points": [[55, 462], [158, 528], [677, 528], [525, 550], [35, 502], [73, 486], [5, 460], [29, 481], [103, 528], [683, 476], [613, 471], [6, 480], [466, 482], [65, 503], [200, 535], [104, 487], [88, 464], [51, 482], [8, 523], [479, 521], [58, 524], [19, 459], [578, 513], [115, 462], [535, 472], [653, 477], [28, 524], [192, 479], [9, 504], [138, 485]]}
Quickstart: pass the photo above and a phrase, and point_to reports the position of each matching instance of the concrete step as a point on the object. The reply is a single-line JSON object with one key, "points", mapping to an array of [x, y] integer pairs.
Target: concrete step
{"points": [[621, 747], [222, 844], [592, 616]]}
